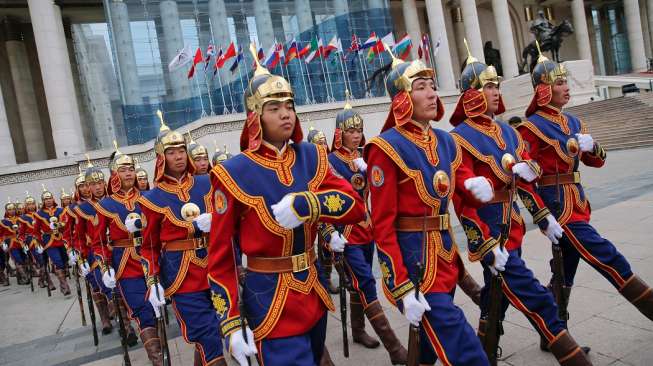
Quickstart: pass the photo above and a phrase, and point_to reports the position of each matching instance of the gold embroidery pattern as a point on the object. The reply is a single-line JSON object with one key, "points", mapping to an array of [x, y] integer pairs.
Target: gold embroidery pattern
{"points": [[333, 203], [282, 167], [219, 304], [553, 143], [489, 160]]}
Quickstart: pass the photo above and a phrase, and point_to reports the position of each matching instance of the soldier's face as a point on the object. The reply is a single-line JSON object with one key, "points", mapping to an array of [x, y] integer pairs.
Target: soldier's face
{"points": [[560, 93], [30, 207], [127, 177], [425, 100], [176, 160], [65, 202], [278, 121], [48, 202], [492, 94], [84, 190], [201, 165], [351, 138], [11, 212], [97, 189], [142, 184]]}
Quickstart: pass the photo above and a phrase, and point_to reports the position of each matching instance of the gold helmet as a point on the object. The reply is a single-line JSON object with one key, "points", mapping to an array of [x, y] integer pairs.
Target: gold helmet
{"points": [[141, 173], [346, 119], [167, 138], [476, 74], [119, 159], [195, 149], [544, 75], [29, 199], [220, 156], [316, 136], [10, 205], [92, 173], [45, 194]]}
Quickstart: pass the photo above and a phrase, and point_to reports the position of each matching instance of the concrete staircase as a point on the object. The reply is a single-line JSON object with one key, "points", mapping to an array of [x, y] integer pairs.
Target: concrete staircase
{"points": [[619, 123]]}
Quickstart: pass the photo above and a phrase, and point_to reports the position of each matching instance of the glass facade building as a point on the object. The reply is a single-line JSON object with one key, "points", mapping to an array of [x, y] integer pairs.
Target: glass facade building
{"points": [[130, 55]]}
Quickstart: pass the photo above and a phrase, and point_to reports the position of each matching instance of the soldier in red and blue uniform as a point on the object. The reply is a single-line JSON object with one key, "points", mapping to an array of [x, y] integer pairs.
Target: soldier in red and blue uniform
{"points": [[199, 156], [559, 142], [10, 243], [91, 250], [494, 150], [270, 199], [412, 172], [28, 235], [176, 215], [347, 161], [49, 224]]}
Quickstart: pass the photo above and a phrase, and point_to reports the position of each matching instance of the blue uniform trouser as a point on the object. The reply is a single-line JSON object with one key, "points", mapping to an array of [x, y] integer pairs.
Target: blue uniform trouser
{"points": [[446, 335], [524, 292], [3, 264], [199, 323], [582, 241], [95, 279], [37, 257], [358, 261], [57, 256], [134, 291], [301, 350], [18, 255]]}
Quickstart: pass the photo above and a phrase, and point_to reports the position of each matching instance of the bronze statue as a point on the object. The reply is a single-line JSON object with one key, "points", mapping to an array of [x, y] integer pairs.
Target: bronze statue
{"points": [[550, 38]]}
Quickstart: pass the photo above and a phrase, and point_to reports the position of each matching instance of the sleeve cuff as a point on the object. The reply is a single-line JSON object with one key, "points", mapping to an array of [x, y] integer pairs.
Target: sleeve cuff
{"points": [[230, 325], [483, 249], [400, 291]]}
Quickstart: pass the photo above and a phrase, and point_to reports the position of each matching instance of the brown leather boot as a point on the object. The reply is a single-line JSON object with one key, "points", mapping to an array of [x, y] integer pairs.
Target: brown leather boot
{"points": [[48, 281], [639, 294], [152, 345], [103, 310], [21, 275], [325, 360], [397, 352], [481, 330], [132, 339], [357, 317], [217, 362], [41, 281], [567, 352], [470, 287], [4, 281], [63, 283]]}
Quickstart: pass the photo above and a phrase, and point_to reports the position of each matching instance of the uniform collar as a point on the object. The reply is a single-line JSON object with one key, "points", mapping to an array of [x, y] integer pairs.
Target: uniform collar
{"points": [[270, 152]]}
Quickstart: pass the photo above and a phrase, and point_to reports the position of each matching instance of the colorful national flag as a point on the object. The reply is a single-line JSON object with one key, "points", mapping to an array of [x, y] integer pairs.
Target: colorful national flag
{"points": [[372, 41], [234, 66], [305, 51], [332, 46], [180, 60], [419, 52], [355, 44], [231, 52], [215, 64], [196, 60], [273, 57], [426, 47], [260, 54], [402, 48], [210, 51], [389, 39], [314, 52], [292, 52]]}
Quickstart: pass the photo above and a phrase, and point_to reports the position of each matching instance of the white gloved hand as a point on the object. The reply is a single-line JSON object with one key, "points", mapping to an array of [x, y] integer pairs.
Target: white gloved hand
{"points": [[414, 308], [109, 278], [337, 243], [284, 213], [361, 164], [130, 223], [585, 142], [241, 349], [500, 259], [156, 301], [72, 257], [85, 268], [554, 231], [480, 188], [204, 222], [524, 171], [25, 249], [5, 247], [52, 226], [39, 249]]}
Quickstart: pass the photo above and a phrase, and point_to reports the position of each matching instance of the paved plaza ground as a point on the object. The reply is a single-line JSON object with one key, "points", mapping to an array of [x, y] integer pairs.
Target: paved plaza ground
{"points": [[37, 330]]}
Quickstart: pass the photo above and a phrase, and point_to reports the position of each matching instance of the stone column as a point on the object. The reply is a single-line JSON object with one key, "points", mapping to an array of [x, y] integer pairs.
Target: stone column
{"points": [[437, 28], [173, 39], [7, 154], [649, 12], [472, 28], [635, 35], [124, 48], [21, 76], [506, 42], [340, 7], [304, 16], [220, 32], [459, 32], [412, 25], [580, 30], [57, 77], [375, 4], [264, 27]]}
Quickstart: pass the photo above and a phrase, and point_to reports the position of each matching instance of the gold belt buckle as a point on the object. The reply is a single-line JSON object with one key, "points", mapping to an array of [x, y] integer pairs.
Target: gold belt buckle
{"points": [[138, 241], [200, 243], [299, 262], [444, 222], [576, 177]]}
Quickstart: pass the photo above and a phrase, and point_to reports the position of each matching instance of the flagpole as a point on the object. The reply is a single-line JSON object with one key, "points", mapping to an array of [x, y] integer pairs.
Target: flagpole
{"points": [[218, 71], [368, 92], [344, 77], [206, 80], [330, 98], [199, 91], [240, 74], [313, 101], [301, 75]]}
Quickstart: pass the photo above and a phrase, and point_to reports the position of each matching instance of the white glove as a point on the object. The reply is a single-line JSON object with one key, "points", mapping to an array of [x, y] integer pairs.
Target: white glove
{"points": [[337, 243], [85, 268], [414, 308], [204, 222], [524, 171], [361, 164], [159, 301], [52, 226], [480, 188], [5, 247], [130, 223], [25, 249], [39, 249], [500, 259], [554, 230], [72, 257], [109, 278], [585, 142], [241, 349], [284, 213]]}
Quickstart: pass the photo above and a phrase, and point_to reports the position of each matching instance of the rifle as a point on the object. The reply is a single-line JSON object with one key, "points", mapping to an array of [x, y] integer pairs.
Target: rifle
{"points": [[243, 316], [91, 310], [342, 291], [493, 327], [414, 331], [46, 259], [560, 293], [79, 295], [29, 268]]}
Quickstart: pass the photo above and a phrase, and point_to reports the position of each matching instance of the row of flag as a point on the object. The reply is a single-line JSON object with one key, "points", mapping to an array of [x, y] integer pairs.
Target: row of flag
{"points": [[312, 50]]}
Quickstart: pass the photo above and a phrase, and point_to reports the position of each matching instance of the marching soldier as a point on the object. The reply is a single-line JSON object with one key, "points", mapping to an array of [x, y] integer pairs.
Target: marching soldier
{"points": [[412, 170], [270, 198], [199, 156], [494, 150], [124, 266], [49, 225], [90, 242], [29, 236], [176, 215], [142, 180], [559, 142], [346, 159], [9, 232]]}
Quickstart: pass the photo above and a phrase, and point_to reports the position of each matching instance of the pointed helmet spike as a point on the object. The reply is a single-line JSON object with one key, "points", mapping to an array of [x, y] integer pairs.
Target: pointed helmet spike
{"points": [[215, 145], [43, 187], [190, 138], [88, 161], [395, 60], [115, 146], [540, 57], [260, 70], [470, 58], [347, 96], [163, 127], [225, 149]]}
